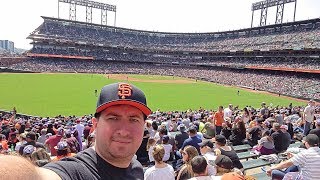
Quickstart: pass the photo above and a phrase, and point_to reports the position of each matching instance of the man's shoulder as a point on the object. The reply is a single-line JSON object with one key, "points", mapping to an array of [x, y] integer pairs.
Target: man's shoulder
{"points": [[78, 167]]}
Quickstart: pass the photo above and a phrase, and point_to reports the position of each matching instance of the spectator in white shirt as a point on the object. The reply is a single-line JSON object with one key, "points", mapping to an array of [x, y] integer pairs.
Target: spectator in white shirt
{"points": [[227, 112], [167, 148], [308, 161], [308, 116]]}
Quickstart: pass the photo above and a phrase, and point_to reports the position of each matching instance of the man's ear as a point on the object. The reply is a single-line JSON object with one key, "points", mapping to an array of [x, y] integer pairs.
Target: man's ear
{"points": [[94, 122]]}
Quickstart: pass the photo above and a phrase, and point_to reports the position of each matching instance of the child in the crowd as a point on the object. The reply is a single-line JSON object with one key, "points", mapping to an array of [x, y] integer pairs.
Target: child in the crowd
{"points": [[151, 143]]}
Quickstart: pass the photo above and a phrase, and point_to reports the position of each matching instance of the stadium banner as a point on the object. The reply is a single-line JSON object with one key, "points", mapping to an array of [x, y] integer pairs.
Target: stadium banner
{"points": [[59, 56]]}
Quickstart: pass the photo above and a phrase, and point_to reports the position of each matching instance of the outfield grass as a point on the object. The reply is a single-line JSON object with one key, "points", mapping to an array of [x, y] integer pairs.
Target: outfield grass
{"points": [[73, 94]]}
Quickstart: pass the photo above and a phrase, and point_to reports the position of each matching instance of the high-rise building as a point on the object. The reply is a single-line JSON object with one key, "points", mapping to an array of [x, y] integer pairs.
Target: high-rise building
{"points": [[7, 45]]}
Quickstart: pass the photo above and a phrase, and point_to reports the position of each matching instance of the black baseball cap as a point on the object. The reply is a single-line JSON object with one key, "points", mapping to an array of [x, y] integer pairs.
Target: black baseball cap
{"points": [[208, 143], [224, 162], [192, 129], [221, 139], [122, 93], [31, 135]]}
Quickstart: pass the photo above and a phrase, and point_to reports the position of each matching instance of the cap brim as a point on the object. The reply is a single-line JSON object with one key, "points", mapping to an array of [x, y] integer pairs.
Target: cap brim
{"points": [[145, 110]]}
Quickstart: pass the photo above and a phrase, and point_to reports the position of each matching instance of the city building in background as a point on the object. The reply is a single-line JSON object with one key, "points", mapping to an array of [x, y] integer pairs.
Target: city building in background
{"points": [[7, 45]]}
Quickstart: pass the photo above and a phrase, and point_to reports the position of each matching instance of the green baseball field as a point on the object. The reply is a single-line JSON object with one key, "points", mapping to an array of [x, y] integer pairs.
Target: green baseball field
{"points": [[73, 94]]}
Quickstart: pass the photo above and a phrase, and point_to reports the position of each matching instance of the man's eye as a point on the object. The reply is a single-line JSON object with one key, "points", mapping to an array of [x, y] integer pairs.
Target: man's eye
{"points": [[112, 118], [135, 120]]}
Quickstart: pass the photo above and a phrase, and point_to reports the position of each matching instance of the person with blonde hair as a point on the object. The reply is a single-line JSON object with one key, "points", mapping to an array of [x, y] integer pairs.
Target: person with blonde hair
{"points": [[150, 144], [160, 169], [188, 153]]}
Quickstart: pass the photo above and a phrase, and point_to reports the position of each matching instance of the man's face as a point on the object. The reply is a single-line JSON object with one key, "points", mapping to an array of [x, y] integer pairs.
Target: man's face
{"points": [[119, 132]]}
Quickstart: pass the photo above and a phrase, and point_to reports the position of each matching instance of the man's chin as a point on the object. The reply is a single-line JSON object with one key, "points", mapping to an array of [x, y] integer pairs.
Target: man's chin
{"points": [[122, 152], [119, 155]]}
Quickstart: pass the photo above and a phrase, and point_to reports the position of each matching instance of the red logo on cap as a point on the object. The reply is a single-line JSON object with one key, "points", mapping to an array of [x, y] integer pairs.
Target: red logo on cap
{"points": [[124, 90]]}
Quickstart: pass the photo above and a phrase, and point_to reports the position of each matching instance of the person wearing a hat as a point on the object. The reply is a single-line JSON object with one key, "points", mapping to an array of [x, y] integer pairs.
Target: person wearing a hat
{"points": [[223, 149], [72, 142], [119, 125], [316, 131], [63, 150], [52, 141], [206, 149], [287, 137], [224, 165], [308, 161], [278, 138], [31, 140], [27, 151], [193, 140], [308, 116], [180, 137]]}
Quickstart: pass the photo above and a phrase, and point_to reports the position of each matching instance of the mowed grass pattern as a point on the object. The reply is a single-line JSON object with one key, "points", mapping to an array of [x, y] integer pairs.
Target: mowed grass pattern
{"points": [[73, 94]]}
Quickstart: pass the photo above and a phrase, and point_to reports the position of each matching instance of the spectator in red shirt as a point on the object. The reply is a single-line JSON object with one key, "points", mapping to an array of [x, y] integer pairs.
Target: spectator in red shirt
{"points": [[52, 141]]}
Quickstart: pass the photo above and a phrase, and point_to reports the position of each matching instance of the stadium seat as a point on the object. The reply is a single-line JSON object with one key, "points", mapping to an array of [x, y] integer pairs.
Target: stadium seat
{"points": [[240, 148], [254, 163], [246, 155]]}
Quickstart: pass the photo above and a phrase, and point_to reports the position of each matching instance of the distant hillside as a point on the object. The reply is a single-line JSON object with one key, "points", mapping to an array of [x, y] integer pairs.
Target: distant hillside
{"points": [[19, 51]]}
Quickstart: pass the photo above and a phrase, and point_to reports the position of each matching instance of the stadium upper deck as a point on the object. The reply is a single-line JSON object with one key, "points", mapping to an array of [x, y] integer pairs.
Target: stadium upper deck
{"points": [[68, 34]]}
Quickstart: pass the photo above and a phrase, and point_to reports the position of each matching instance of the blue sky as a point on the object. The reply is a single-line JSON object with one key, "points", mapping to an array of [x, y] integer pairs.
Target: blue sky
{"points": [[20, 17]]}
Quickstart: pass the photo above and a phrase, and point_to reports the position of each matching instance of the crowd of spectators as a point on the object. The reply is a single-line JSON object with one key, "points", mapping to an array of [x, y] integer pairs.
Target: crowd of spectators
{"points": [[172, 140], [7, 61], [307, 38], [297, 62], [279, 83]]}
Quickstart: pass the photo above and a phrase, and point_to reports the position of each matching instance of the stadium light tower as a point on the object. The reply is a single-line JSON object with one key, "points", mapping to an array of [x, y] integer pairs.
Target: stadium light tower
{"points": [[89, 5], [264, 5]]}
